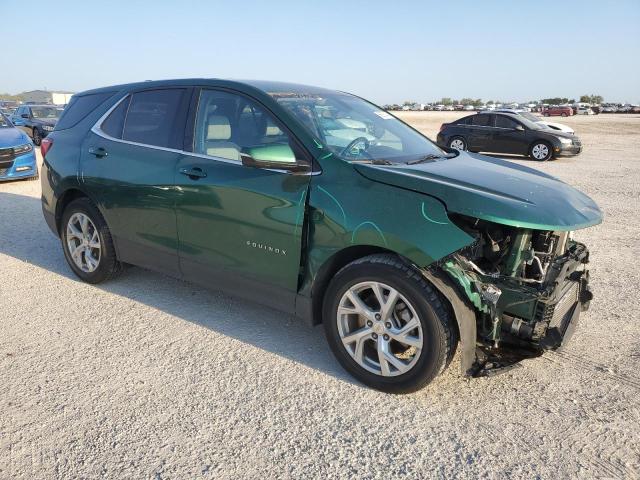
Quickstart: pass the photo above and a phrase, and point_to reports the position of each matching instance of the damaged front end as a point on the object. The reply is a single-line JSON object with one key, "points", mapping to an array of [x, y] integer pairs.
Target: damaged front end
{"points": [[525, 288]]}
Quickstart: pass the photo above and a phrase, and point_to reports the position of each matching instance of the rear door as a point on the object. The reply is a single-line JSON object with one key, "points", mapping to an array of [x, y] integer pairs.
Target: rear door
{"points": [[507, 138], [241, 227], [128, 165], [480, 132]]}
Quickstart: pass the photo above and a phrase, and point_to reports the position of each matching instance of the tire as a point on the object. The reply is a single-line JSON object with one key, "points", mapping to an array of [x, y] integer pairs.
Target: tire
{"points": [[459, 141], [563, 114], [101, 263], [418, 303], [37, 138], [541, 151]]}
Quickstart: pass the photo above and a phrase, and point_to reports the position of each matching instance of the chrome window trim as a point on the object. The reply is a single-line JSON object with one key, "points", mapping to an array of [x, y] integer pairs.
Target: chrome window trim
{"points": [[98, 131]]}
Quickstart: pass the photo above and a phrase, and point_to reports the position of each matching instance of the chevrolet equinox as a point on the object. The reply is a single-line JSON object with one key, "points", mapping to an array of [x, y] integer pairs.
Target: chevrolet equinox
{"points": [[322, 205]]}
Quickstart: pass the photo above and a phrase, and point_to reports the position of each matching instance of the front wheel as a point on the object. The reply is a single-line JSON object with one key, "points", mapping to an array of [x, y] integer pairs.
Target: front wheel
{"points": [[541, 151], [387, 325], [37, 138], [458, 143], [87, 243]]}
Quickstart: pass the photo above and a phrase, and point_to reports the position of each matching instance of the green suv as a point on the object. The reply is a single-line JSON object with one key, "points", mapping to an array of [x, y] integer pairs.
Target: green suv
{"points": [[322, 205]]}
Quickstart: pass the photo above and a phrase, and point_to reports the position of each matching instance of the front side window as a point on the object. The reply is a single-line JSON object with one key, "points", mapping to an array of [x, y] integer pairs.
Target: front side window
{"points": [[231, 126], [152, 118], [354, 129]]}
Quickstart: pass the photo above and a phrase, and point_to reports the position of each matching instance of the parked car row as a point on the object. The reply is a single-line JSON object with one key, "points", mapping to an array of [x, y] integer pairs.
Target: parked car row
{"points": [[618, 108]]}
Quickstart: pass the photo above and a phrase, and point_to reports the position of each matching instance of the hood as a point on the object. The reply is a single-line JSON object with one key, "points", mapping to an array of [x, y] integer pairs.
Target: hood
{"points": [[560, 126], [11, 137], [494, 190]]}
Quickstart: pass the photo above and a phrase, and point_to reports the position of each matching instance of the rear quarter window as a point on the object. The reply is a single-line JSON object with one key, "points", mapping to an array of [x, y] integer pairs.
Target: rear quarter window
{"points": [[79, 108]]}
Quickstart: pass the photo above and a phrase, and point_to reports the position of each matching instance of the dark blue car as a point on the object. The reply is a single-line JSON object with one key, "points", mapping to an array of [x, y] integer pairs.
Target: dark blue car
{"points": [[17, 156]]}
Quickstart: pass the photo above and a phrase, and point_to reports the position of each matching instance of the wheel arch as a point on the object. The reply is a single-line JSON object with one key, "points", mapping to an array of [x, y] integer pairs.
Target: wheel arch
{"points": [[333, 265], [69, 195], [458, 305]]}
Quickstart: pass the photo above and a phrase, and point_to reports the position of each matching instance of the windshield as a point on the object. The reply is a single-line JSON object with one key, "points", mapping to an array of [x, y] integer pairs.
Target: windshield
{"points": [[4, 122], [46, 112], [530, 116], [356, 130]]}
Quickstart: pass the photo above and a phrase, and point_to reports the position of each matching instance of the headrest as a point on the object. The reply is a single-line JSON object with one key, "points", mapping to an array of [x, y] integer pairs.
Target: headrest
{"points": [[272, 130], [219, 128]]}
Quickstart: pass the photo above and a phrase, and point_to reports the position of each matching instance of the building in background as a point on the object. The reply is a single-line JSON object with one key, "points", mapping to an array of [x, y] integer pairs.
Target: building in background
{"points": [[46, 96]]}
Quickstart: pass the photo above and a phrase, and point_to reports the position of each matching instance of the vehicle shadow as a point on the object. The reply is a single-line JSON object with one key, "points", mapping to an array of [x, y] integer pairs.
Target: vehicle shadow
{"points": [[24, 235]]}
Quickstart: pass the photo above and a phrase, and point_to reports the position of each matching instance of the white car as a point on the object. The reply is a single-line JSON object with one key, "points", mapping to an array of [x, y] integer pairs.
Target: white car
{"points": [[584, 111], [468, 108]]}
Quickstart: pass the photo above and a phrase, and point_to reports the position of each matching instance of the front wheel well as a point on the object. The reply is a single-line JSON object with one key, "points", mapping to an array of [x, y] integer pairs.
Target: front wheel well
{"points": [[332, 266]]}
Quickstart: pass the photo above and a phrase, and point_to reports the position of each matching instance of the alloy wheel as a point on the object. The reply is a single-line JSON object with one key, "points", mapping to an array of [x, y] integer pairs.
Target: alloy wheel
{"points": [[458, 144], [379, 328], [540, 151], [83, 242]]}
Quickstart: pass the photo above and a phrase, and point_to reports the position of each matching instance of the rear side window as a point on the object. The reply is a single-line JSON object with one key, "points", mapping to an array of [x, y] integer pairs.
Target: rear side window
{"points": [[481, 120], [114, 124], [153, 116], [79, 108], [505, 122], [464, 121]]}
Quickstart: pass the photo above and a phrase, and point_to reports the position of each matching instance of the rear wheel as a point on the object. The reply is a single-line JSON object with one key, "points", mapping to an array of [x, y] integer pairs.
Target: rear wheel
{"points": [[37, 138], [541, 151], [87, 243], [458, 143], [387, 325]]}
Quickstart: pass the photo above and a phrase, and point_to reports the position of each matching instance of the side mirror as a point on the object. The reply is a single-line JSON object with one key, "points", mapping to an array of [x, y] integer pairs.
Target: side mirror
{"points": [[276, 156], [25, 115]]}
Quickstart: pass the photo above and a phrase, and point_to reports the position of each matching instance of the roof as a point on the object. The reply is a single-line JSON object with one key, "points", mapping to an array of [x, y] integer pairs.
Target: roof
{"points": [[263, 85]]}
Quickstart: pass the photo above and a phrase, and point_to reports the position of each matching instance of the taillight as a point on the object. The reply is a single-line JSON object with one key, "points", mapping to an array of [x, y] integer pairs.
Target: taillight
{"points": [[442, 127], [45, 146]]}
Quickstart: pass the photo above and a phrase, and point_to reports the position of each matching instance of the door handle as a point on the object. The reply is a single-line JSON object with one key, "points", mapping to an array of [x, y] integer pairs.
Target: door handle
{"points": [[99, 152], [193, 173]]}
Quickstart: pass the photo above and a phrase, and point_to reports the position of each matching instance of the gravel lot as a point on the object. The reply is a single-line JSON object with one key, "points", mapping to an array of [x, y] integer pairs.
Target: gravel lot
{"points": [[150, 377]]}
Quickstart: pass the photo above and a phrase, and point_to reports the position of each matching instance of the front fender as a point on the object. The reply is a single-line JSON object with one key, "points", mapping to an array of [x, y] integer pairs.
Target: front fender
{"points": [[347, 209]]}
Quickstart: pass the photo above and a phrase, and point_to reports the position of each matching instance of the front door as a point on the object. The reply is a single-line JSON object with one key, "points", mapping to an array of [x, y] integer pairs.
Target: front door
{"points": [[509, 136], [241, 227], [128, 166]]}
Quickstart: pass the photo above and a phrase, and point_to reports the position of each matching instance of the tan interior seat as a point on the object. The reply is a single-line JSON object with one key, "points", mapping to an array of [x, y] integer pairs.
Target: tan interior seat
{"points": [[218, 142]]}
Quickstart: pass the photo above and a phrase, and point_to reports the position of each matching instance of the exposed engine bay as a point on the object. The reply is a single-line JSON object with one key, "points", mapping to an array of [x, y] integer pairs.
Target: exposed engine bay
{"points": [[526, 287]]}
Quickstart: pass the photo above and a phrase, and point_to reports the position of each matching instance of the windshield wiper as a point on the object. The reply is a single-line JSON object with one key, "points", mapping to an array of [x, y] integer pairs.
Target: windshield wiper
{"points": [[426, 158]]}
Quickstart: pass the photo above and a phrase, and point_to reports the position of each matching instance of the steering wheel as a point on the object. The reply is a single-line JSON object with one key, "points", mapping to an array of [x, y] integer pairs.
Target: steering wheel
{"points": [[346, 151]]}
